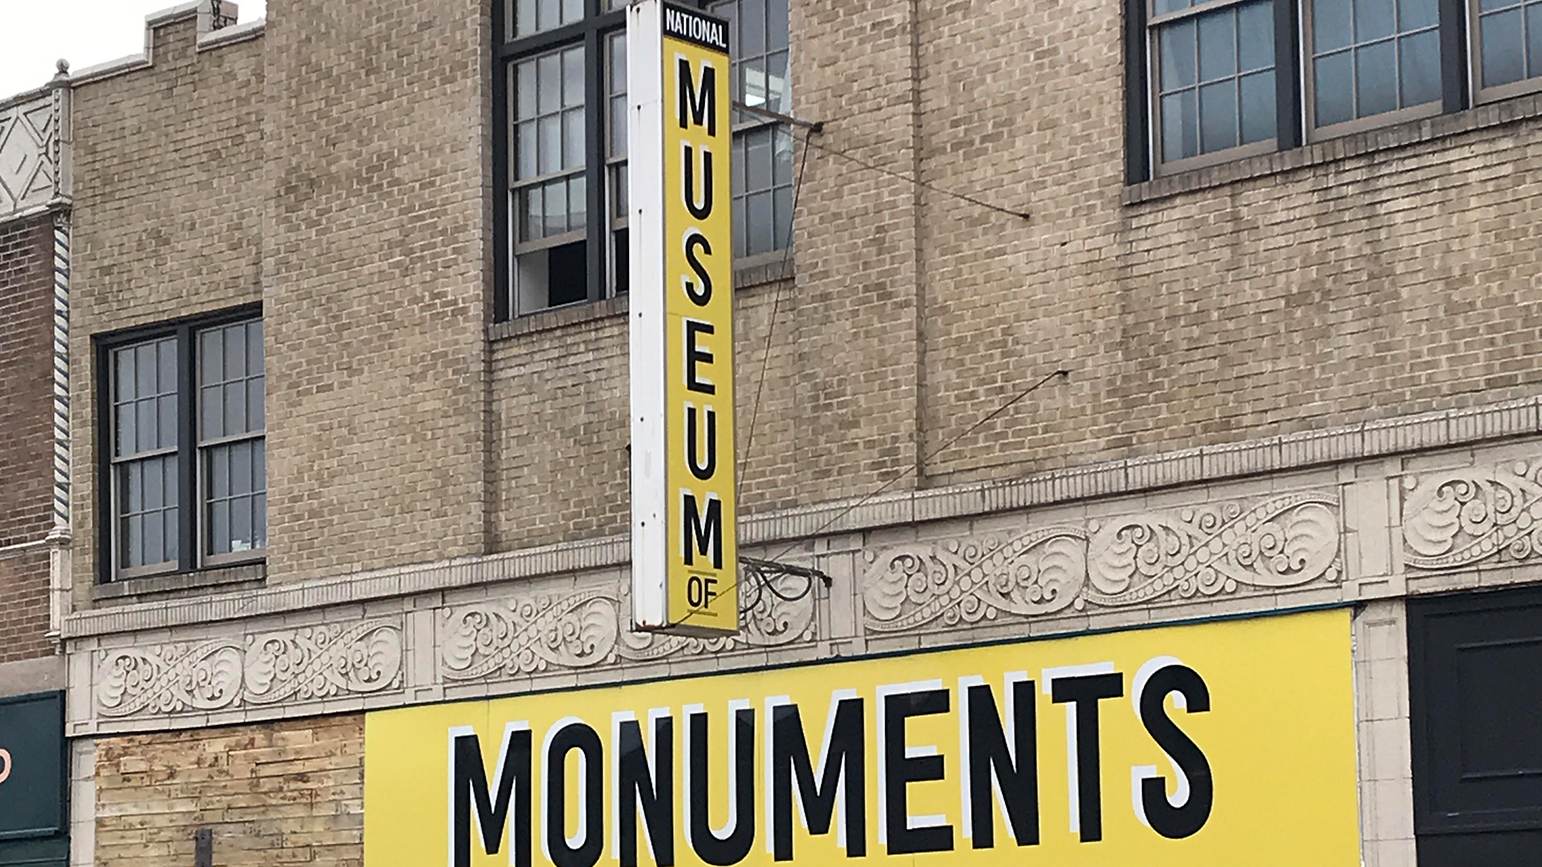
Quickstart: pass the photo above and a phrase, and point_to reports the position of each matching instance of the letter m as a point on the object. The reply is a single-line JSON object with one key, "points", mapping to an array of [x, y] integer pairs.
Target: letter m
{"points": [[702, 533], [841, 774], [468, 789], [697, 105]]}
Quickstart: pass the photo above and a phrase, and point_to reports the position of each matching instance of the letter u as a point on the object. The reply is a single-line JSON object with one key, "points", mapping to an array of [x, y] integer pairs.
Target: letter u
{"points": [[701, 472], [701, 207]]}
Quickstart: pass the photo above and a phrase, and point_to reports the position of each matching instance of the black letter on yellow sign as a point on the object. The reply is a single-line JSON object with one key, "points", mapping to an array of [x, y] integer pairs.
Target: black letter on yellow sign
{"points": [[575, 736], [1169, 821], [637, 782], [469, 786], [900, 770], [843, 764], [694, 239], [694, 355], [989, 755], [715, 850], [700, 209], [702, 533], [703, 471], [1086, 690], [697, 105]]}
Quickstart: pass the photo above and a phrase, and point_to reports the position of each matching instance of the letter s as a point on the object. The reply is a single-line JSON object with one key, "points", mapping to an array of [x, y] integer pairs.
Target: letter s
{"points": [[1185, 820]]}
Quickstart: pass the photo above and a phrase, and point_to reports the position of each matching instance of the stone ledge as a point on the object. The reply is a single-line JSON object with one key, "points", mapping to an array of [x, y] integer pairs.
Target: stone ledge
{"points": [[790, 527], [749, 273], [1390, 137], [182, 583]]}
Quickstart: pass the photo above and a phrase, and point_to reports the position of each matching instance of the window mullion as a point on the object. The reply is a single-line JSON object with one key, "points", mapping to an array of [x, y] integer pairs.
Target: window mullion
{"points": [[595, 100], [1454, 63], [1289, 122], [187, 448]]}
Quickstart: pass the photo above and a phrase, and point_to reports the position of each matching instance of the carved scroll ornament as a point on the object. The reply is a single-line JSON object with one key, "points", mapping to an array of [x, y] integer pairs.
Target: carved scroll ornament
{"points": [[306, 664], [1453, 520], [1218, 549], [545, 632]]}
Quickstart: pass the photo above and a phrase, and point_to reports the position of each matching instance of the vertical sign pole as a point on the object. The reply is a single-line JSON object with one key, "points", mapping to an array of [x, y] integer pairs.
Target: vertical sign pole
{"points": [[684, 546]]}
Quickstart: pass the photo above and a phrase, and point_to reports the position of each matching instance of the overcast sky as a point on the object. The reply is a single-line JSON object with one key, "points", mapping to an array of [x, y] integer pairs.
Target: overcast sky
{"points": [[85, 32]]}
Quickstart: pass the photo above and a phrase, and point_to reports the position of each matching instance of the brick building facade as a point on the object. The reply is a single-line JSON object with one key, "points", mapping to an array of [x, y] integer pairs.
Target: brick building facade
{"points": [[347, 442], [34, 461]]}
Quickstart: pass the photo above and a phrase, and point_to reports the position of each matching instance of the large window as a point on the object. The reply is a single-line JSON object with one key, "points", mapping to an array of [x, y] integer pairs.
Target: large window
{"points": [[762, 158], [185, 457], [1507, 44], [561, 139], [1219, 80]]}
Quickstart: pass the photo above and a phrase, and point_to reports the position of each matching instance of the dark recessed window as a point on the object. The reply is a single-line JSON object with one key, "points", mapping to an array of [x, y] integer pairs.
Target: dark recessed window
{"points": [[561, 144], [186, 457], [1220, 80]]}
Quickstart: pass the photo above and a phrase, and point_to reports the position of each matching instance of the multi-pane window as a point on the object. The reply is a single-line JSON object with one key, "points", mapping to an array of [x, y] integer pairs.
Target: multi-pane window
{"points": [[1373, 57], [232, 451], [550, 184], [561, 97], [1507, 45], [144, 456], [1215, 77], [186, 467], [1213, 80], [762, 158], [558, 76]]}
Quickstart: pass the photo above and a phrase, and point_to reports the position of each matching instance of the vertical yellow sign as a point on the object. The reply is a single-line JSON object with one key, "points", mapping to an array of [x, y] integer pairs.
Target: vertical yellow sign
{"points": [[683, 471]]}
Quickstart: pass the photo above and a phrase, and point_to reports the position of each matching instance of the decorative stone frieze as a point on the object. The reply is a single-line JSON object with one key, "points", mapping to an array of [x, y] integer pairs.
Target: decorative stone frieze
{"points": [[306, 664], [1144, 558], [535, 632], [1455, 519]]}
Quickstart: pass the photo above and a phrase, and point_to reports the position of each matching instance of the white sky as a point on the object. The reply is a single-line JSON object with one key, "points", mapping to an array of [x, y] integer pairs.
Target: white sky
{"points": [[35, 33]]}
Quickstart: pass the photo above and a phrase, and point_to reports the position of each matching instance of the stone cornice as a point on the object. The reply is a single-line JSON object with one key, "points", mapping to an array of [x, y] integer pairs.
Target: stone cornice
{"points": [[1426, 431]]}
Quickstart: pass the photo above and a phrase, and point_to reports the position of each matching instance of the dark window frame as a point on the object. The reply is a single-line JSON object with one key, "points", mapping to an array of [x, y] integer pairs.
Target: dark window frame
{"points": [[1292, 89], [190, 557], [1491, 93], [592, 32]]}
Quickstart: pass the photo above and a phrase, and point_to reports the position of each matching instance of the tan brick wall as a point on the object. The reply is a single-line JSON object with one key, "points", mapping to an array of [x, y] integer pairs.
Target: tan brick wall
{"points": [[560, 428], [167, 218], [354, 190], [375, 271], [1359, 289], [276, 793]]}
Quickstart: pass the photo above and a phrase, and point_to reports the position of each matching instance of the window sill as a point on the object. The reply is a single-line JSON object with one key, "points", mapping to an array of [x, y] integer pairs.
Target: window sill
{"points": [[1385, 138], [750, 272], [177, 584]]}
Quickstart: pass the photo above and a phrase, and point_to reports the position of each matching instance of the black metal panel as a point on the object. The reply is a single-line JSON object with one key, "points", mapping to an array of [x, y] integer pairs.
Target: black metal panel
{"points": [[1475, 696], [1137, 146], [33, 765], [1287, 75], [1453, 55]]}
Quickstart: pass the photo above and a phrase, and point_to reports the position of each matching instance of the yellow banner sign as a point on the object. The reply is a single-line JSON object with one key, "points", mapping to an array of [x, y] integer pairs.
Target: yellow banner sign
{"points": [[1219, 743], [685, 559]]}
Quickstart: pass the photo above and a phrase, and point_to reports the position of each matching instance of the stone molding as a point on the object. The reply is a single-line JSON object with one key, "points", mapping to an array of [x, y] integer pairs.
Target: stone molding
{"points": [[1460, 519], [1333, 446], [1144, 559], [255, 669], [1336, 535], [34, 150]]}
